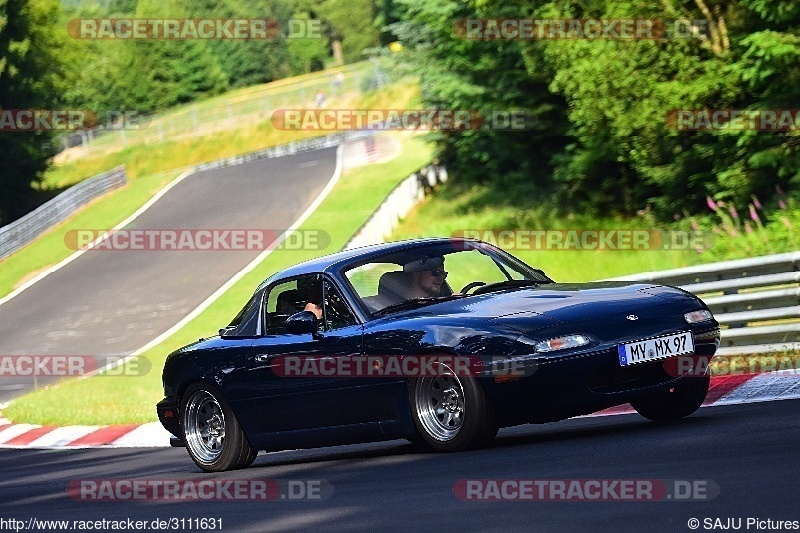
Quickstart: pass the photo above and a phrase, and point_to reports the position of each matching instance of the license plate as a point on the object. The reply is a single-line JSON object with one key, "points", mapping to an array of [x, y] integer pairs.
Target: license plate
{"points": [[645, 350]]}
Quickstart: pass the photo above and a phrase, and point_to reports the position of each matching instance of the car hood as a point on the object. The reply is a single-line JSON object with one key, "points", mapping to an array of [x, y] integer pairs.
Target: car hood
{"points": [[595, 306], [603, 302]]}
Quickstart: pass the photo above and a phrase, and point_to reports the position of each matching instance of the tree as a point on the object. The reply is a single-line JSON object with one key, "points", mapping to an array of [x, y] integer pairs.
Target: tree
{"points": [[490, 78], [31, 77], [604, 141], [352, 23]]}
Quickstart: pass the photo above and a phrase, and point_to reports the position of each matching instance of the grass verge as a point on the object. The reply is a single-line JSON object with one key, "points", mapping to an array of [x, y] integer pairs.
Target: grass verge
{"points": [[485, 211], [131, 399], [454, 210]]}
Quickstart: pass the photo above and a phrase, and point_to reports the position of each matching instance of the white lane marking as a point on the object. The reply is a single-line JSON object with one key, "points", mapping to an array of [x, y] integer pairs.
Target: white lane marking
{"points": [[239, 275], [78, 253]]}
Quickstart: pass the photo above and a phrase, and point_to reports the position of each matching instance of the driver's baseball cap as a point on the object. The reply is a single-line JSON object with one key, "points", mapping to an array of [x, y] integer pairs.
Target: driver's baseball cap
{"points": [[421, 265]]}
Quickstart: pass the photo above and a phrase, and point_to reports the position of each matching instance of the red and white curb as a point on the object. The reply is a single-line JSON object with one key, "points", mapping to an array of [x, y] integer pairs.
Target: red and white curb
{"points": [[122, 436], [739, 388], [724, 390]]}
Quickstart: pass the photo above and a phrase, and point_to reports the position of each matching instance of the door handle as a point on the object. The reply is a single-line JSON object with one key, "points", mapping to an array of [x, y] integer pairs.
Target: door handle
{"points": [[263, 358]]}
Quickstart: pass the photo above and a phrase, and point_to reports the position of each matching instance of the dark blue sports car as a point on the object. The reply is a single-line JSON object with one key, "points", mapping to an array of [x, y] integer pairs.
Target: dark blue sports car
{"points": [[438, 341]]}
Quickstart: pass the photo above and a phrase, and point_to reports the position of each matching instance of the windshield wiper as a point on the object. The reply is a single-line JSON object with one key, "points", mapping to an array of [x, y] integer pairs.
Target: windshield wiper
{"points": [[415, 302], [509, 283]]}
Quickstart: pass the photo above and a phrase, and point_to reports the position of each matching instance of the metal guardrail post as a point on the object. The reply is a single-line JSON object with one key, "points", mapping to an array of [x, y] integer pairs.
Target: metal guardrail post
{"points": [[756, 300], [25, 230]]}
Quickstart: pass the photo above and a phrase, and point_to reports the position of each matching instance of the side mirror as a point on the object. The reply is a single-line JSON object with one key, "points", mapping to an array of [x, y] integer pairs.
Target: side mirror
{"points": [[302, 322]]}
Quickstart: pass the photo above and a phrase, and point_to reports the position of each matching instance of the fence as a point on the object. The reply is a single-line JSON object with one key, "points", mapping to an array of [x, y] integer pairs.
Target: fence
{"points": [[30, 227], [756, 300], [248, 106]]}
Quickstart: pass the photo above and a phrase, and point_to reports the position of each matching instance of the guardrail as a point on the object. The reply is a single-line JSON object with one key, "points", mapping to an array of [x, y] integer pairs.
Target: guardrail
{"points": [[755, 300], [395, 206], [30, 227]]}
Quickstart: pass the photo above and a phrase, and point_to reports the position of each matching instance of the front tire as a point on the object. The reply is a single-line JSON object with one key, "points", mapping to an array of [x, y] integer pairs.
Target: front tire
{"points": [[451, 413], [212, 435], [677, 402]]}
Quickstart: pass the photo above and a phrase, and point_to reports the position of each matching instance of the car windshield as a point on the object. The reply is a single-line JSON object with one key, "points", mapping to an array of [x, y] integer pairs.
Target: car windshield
{"points": [[417, 277]]}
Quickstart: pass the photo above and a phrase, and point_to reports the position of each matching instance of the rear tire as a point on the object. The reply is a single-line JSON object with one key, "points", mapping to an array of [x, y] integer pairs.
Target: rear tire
{"points": [[673, 404], [212, 435], [451, 413]]}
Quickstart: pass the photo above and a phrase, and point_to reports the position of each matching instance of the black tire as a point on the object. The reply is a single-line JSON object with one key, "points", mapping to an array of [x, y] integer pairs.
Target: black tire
{"points": [[676, 403], [212, 435], [451, 413]]}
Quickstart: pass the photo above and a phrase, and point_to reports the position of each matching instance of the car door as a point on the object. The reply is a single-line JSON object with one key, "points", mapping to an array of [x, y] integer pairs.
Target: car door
{"points": [[290, 402]]}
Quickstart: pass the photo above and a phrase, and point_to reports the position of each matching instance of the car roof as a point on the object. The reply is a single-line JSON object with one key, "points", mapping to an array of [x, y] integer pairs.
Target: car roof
{"points": [[333, 262]]}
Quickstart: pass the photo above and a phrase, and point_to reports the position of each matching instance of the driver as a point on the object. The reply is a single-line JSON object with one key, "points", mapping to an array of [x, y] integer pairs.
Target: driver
{"points": [[427, 277], [312, 294]]}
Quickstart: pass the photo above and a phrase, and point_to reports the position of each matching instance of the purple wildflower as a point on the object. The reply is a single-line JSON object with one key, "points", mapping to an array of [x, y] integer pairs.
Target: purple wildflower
{"points": [[753, 213]]}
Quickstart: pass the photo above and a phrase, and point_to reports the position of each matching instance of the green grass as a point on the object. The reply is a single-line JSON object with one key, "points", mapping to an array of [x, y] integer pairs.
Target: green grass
{"points": [[131, 399], [454, 210], [490, 208]]}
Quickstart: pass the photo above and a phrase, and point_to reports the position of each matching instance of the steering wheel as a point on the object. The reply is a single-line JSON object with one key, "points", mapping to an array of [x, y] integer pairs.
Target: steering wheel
{"points": [[471, 285]]}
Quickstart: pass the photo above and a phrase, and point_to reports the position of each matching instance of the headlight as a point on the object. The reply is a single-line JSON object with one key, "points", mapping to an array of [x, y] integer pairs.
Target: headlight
{"points": [[562, 343], [698, 316]]}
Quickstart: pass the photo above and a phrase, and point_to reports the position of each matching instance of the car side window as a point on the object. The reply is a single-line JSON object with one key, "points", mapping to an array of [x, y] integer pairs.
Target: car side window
{"points": [[289, 297], [281, 303], [336, 312]]}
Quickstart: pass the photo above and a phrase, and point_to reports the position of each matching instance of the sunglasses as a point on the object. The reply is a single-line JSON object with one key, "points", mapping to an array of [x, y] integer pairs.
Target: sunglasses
{"points": [[437, 273]]}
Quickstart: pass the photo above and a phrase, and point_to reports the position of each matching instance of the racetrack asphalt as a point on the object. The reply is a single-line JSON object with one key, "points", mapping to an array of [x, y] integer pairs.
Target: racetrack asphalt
{"points": [[747, 451], [111, 303]]}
